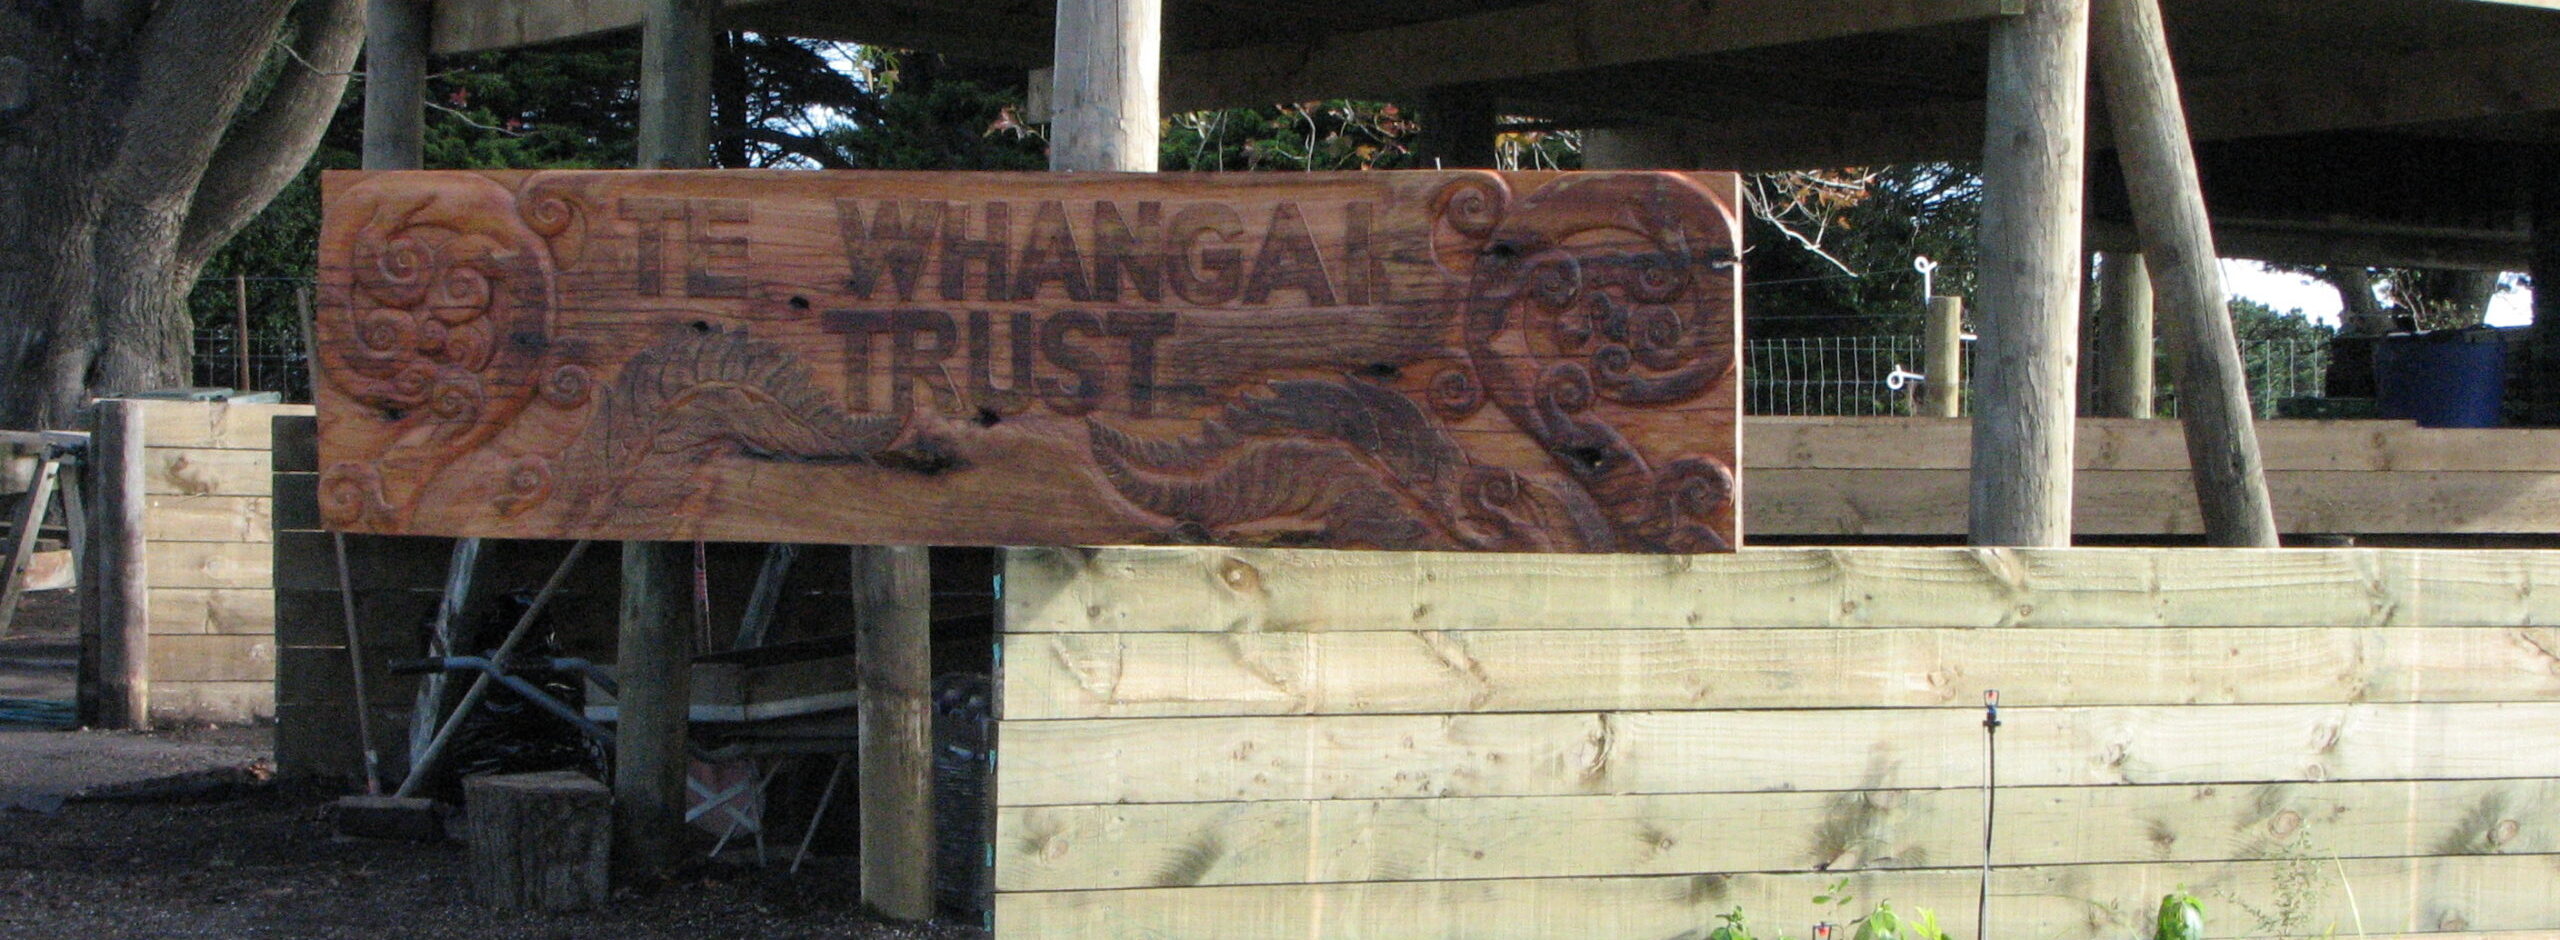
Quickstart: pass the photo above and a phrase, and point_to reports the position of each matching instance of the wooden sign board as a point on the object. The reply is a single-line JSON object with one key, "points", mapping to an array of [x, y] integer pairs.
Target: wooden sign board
{"points": [[1460, 360]]}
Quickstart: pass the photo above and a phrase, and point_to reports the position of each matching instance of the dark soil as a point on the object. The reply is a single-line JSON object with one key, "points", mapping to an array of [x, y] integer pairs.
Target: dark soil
{"points": [[265, 863], [249, 859]]}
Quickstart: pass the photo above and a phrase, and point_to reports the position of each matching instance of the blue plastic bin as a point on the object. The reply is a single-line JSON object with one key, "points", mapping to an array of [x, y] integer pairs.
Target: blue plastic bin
{"points": [[2444, 379]]}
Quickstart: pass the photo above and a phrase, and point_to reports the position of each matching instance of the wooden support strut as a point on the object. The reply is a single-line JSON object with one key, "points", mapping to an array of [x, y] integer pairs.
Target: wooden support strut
{"points": [[1942, 359], [2168, 210], [2029, 297], [1104, 97]]}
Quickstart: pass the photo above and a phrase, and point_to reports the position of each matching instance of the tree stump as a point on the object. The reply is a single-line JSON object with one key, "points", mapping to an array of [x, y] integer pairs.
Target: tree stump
{"points": [[539, 841]]}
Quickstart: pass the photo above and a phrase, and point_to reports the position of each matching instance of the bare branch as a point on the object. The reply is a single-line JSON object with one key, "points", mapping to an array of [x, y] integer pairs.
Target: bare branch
{"points": [[266, 149]]}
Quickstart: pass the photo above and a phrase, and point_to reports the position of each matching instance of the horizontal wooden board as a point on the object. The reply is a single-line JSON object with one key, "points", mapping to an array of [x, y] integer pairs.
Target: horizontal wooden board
{"points": [[1208, 760], [1266, 590], [2086, 902], [239, 611], [212, 424], [1134, 675], [1847, 443], [317, 676], [227, 703], [1057, 848], [208, 565], [1458, 360], [1932, 502], [297, 443], [190, 471], [212, 657], [208, 519]]}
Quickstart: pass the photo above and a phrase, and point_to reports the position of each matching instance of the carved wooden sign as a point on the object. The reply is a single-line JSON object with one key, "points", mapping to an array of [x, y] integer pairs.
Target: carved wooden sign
{"points": [[1460, 360]]}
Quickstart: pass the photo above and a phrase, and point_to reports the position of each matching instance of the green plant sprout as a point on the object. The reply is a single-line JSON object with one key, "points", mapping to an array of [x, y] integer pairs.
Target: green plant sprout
{"points": [[2181, 917]]}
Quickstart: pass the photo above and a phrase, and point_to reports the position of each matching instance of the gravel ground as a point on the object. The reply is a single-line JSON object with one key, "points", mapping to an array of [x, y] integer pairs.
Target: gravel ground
{"points": [[258, 860]]}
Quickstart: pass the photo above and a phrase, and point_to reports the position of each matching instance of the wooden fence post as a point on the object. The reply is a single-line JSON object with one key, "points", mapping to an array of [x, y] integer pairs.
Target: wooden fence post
{"points": [[2177, 240], [115, 600], [2029, 298], [2117, 341], [1942, 359]]}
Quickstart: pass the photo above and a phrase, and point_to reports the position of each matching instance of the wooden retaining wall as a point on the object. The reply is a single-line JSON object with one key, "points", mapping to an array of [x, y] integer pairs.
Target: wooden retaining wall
{"points": [[1237, 744], [1845, 478], [207, 528]]}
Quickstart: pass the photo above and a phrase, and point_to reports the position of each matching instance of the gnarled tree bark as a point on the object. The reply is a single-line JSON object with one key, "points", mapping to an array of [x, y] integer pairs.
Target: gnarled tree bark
{"points": [[131, 148]]}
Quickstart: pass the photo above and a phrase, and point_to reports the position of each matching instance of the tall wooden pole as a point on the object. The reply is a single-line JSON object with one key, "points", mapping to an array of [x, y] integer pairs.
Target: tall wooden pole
{"points": [[677, 41], [1104, 102], [652, 666], [653, 660], [2186, 276], [2029, 293], [115, 624], [1942, 359], [894, 658], [395, 84], [2116, 344]]}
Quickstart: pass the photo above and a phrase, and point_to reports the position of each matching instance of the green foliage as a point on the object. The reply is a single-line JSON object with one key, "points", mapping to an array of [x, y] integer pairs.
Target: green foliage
{"points": [[1884, 923], [2181, 917], [1314, 135]]}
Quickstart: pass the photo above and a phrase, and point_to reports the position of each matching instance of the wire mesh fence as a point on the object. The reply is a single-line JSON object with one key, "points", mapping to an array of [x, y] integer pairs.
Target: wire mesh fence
{"points": [[1830, 376]]}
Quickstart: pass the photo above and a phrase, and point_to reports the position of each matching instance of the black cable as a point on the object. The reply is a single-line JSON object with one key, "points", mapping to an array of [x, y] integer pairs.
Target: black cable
{"points": [[1990, 787]]}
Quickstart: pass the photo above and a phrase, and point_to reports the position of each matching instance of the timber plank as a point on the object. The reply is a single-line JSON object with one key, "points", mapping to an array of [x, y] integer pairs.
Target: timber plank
{"points": [[1137, 590], [224, 702], [211, 657], [196, 471], [208, 519], [1056, 848], [1456, 360], [1201, 760], [2061, 902], [1136, 675], [247, 611], [216, 425], [2147, 502], [208, 564]]}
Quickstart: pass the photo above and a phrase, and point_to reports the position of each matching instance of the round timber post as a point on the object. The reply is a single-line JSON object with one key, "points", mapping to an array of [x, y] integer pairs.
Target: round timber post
{"points": [[2029, 294], [654, 658], [395, 84]]}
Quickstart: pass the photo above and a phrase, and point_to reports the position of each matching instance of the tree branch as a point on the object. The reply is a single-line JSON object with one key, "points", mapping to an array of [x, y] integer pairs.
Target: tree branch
{"points": [[824, 156], [188, 72], [266, 149]]}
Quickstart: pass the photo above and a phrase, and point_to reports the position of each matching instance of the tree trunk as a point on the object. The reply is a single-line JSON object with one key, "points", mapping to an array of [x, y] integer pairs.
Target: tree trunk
{"points": [[126, 159]]}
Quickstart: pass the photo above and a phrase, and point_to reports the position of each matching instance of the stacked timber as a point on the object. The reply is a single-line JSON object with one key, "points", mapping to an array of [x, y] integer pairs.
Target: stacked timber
{"points": [[1239, 743]]}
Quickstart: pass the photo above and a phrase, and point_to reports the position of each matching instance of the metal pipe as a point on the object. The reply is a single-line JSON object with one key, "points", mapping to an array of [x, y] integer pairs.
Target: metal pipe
{"points": [[480, 687]]}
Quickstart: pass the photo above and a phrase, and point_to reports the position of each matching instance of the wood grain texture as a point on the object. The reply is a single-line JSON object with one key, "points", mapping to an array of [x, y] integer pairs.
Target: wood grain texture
{"points": [[1135, 675], [209, 519], [1206, 760], [214, 425], [212, 610], [1056, 848], [194, 471], [1138, 590], [2056, 902], [1458, 360]]}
